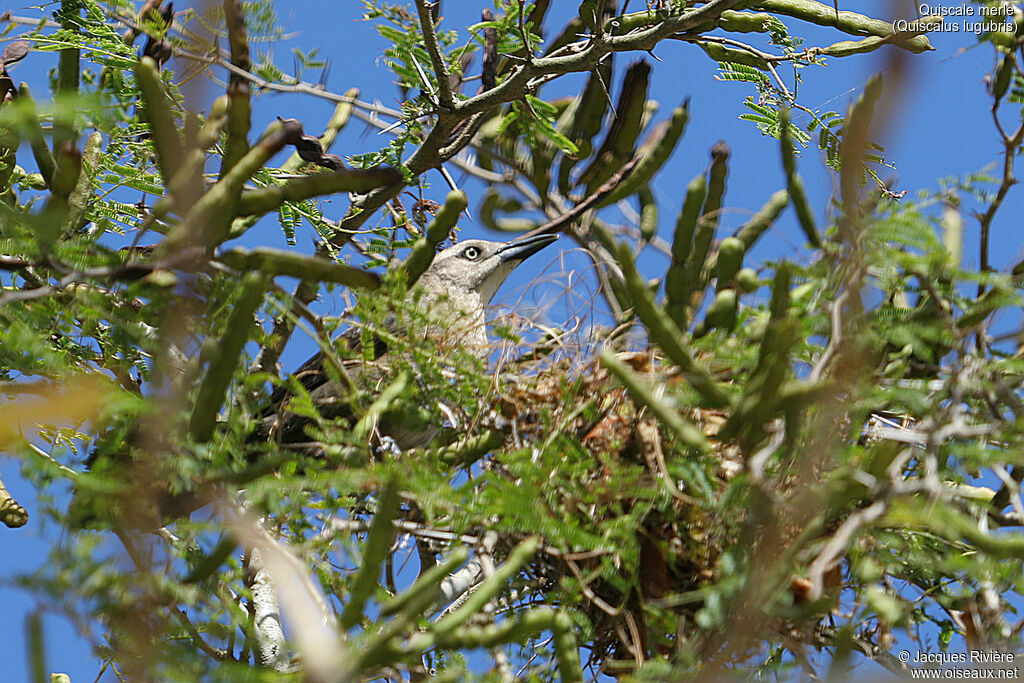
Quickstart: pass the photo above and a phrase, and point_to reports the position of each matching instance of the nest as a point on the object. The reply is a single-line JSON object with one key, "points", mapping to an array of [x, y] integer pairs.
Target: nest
{"points": [[678, 542], [641, 602]]}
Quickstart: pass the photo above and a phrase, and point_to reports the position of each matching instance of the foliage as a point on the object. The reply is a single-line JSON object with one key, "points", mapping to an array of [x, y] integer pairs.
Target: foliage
{"points": [[782, 458]]}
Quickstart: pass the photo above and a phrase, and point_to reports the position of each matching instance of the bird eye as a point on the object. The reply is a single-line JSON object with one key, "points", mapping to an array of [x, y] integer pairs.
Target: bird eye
{"points": [[471, 253]]}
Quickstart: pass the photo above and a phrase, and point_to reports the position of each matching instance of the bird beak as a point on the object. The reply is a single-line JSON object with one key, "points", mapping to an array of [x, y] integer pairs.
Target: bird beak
{"points": [[522, 249]]}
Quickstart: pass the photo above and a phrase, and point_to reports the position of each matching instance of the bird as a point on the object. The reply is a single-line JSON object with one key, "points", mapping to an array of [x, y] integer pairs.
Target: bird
{"points": [[456, 290]]}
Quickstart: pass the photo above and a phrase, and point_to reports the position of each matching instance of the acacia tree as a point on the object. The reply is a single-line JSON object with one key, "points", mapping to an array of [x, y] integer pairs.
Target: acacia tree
{"points": [[749, 481]]}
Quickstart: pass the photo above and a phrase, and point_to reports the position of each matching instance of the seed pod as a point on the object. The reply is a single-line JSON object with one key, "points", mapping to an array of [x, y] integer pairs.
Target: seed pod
{"points": [[618, 145], [800, 294], [587, 120], [747, 280], [218, 374], [656, 150], [69, 166], [490, 134], [78, 199], [696, 277], [514, 224], [170, 152], [210, 132], [846, 48], [677, 287], [762, 220], [648, 214], [696, 273], [662, 331], [276, 262], [1002, 82], [855, 140], [1005, 38], [798, 392], [494, 202], [669, 416], [745, 22], [795, 184], [536, 18], [761, 393], [780, 292], [798, 194], [739, 22], [9, 140], [720, 53], [730, 258], [422, 254], [40, 151], [721, 314], [588, 14], [716, 181], [896, 368]]}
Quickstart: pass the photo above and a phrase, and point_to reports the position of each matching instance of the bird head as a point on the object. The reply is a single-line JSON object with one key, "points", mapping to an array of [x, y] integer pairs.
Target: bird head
{"points": [[478, 267], [463, 279]]}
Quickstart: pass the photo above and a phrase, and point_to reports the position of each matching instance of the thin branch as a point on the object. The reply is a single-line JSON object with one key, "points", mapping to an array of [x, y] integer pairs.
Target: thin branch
{"points": [[220, 58], [444, 89], [769, 59], [486, 554], [527, 48], [836, 547], [27, 21], [582, 56], [215, 653], [590, 594], [835, 341], [559, 223], [1010, 145]]}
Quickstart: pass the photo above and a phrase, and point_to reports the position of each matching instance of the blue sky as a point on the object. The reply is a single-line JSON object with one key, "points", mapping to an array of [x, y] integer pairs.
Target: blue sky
{"points": [[940, 128]]}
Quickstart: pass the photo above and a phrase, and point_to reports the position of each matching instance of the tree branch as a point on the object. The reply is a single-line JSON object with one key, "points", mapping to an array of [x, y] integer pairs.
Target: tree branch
{"points": [[444, 88], [583, 56], [268, 634]]}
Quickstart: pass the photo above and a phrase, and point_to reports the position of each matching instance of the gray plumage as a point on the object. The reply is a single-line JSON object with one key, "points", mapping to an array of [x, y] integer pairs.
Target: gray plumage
{"points": [[456, 290]]}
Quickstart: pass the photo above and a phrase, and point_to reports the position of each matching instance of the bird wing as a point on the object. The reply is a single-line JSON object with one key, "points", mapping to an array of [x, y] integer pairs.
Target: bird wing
{"points": [[312, 375]]}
